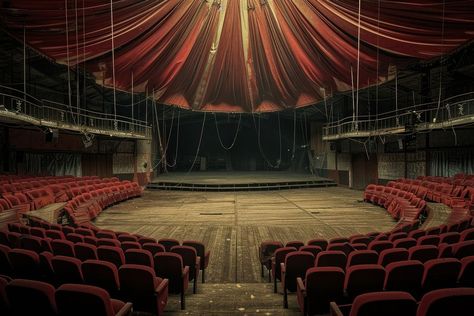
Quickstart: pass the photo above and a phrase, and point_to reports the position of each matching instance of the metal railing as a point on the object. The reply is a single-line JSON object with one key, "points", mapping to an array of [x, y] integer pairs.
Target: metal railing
{"points": [[457, 110], [16, 105]]}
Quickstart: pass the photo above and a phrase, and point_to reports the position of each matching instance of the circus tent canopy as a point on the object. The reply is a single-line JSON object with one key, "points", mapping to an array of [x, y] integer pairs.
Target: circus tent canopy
{"points": [[239, 55]]}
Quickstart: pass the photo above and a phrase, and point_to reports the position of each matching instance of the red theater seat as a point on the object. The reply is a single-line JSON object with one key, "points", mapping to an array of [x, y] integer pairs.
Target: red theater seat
{"points": [[440, 273], [266, 251], [28, 297], [404, 276], [170, 266], [202, 253], [295, 266], [103, 274], [364, 278], [456, 301]]}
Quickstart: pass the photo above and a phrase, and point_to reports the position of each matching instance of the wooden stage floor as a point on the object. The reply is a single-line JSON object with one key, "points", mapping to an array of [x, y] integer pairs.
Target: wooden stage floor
{"points": [[233, 224]]}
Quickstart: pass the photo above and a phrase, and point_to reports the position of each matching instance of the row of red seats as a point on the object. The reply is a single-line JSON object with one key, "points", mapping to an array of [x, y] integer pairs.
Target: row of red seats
{"points": [[29, 297], [400, 204], [449, 301]]}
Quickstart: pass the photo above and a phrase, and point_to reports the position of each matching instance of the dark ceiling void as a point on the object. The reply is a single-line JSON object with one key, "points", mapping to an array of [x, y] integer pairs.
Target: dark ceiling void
{"points": [[239, 56]]}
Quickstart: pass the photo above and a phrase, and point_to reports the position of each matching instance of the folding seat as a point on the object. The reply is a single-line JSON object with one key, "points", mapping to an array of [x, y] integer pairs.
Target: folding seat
{"points": [[103, 274], [85, 251], [91, 240], [379, 246], [55, 234], [84, 231], [396, 236], [295, 266], [406, 243], [320, 287], [279, 258], [360, 240], [404, 276], [449, 238], [75, 238], [154, 248], [338, 240], [362, 257], [323, 243], [168, 243], [467, 234], [67, 230], [63, 248], [32, 243], [79, 299], [139, 256], [440, 273], [38, 232], [265, 254], [29, 297], [128, 237], [423, 253], [463, 249], [466, 276], [314, 250], [331, 258], [109, 242], [111, 254], [130, 245], [24, 263], [13, 239], [144, 240], [364, 278], [380, 303], [170, 266], [295, 243], [417, 233], [139, 285], [388, 256], [191, 259], [67, 270], [5, 267], [202, 253], [458, 301], [105, 234]]}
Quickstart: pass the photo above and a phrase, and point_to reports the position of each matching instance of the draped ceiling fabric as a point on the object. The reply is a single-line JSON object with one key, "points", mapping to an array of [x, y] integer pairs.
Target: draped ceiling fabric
{"points": [[240, 55]]}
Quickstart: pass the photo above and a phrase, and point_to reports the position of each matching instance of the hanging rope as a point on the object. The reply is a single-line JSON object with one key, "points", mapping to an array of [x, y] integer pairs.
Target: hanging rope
{"points": [[294, 137], [257, 128], [199, 143], [235, 135], [397, 119], [78, 96], [441, 67], [358, 67], [353, 101], [113, 62], [132, 104], [67, 56], [377, 70], [177, 142]]}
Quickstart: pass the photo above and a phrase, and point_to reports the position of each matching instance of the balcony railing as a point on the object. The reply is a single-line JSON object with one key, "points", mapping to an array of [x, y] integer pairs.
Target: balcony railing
{"points": [[15, 105], [453, 111]]}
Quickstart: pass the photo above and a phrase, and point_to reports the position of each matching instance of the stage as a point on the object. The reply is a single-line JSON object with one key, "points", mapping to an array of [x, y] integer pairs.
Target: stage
{"points": [[237, 181]]}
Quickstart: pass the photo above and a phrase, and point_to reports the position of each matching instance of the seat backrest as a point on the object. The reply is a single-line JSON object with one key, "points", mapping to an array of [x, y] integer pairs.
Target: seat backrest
{"points": [[67, 269], [136, 279], [29, 297], [154, 248], [131, 245], [392, 255], [63, 248], [100, 273], [404, 276], [168, 243], [428, 240], [364, 278], [114, 255], [362, 257], [406, 243], [32, 243], [467, 234], [85, 251], [466, 276], [84, 231], [314, 250], [79, 299], [267, 249], [55, 234], [280, 255], [109, 242], [331, 258], [454, 301], [105, 234], [168, 265], [144, 240], [423, 253], [295, 243], [139, 256], [296, 265], [323, 243], [127, 237], [25, 263], [463, 249], [380, 245], [384, 303], [440, 273], [323, 285], [417, 233]]}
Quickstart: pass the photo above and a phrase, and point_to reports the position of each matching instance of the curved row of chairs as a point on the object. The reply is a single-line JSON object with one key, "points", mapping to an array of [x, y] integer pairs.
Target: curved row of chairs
{"points": [[442, 302], [405, 246], [29, 297]]}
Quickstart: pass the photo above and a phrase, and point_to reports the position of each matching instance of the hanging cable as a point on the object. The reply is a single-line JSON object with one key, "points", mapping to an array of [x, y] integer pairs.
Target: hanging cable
{"points": [[294, 136], [113, 62], [257, 129], [358, 67], [67, 57], [441, 67], [177, 142], [235, 135], [199, 143], [377, 70], [78, 96], [133, 123], [353, 100], [397, 119]]}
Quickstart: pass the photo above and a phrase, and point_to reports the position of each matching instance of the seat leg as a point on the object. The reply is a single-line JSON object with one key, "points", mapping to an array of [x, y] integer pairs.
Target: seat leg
{"points": [[195, 285], [203, 278], [285, 298], [269, 276], [261, 266], [274, 284], [183, 304]]}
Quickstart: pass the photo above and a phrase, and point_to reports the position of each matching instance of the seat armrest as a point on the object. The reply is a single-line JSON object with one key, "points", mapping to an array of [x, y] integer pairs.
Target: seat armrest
{"points": [[162, 286], [198, 264], [125, 310], [186, 272], [282, 274], [206, 258], [334, 309], [300, 286]]}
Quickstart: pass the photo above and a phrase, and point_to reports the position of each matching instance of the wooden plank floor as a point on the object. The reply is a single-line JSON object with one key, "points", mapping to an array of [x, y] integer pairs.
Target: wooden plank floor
{"points": [[233, 224]]}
